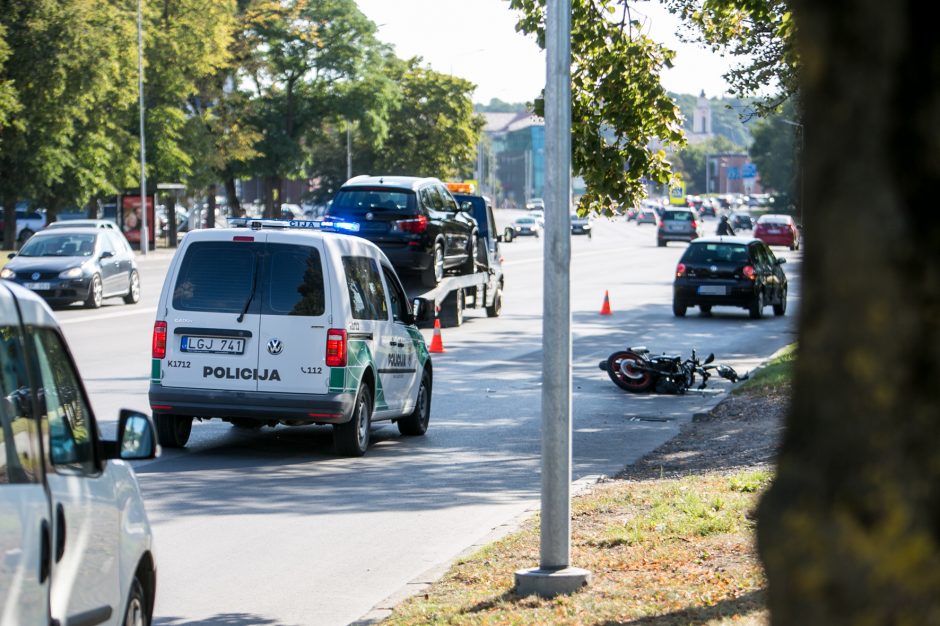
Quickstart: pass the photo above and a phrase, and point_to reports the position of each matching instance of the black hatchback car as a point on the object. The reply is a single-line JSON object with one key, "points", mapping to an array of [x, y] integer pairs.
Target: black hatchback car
{"points": [[729, 271], [415, 221], [82, 264]]}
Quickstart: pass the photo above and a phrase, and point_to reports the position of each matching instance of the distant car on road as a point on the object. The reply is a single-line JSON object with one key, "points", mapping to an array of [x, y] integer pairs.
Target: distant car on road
{"points": [[647, 216], [741, 221], [729, 271], [525, 226], [777, 230], [66, 265], [28, 222], [581, 225], [535, 204], [678, 225]]}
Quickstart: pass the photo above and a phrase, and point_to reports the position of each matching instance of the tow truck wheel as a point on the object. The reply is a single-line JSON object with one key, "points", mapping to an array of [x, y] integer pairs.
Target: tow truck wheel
{"points": [[416, 424], [452, 309], [352, 438], [173, 430], [497, 307]]}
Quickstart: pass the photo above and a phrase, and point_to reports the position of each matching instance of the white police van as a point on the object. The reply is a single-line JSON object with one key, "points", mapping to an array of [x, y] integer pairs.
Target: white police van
{"points": [[75, 543], [283, 322]]}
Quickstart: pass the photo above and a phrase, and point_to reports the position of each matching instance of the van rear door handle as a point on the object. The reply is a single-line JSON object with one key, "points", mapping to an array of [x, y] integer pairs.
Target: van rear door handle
{"points": [[59, 532]]}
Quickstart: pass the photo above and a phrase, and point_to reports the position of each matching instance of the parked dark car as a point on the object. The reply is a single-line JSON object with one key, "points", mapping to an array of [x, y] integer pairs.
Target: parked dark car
{"points": [[66, 265], [729, 271], [415, 221]]}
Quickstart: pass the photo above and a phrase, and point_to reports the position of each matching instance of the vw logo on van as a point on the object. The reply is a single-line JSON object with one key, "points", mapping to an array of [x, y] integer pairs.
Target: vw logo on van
{"points": [[275, 346], [35, 276]]}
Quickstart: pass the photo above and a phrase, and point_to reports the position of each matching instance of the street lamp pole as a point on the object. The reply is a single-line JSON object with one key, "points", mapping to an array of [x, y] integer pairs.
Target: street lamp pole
{"points": [[144, 237]]}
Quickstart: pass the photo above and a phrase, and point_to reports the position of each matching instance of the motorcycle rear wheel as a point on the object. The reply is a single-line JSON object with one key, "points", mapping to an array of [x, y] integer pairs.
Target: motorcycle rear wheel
{"points": [[635, 381]]}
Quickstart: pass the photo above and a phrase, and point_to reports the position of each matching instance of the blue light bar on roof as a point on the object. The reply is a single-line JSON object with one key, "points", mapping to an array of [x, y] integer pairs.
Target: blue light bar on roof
{"points": [[326, 225]]}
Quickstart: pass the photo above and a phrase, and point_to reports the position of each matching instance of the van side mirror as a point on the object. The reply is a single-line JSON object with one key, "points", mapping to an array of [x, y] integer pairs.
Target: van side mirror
{"points": [[136, 439], [11, 255], [107, 254], [780, 261], [421, 309]]}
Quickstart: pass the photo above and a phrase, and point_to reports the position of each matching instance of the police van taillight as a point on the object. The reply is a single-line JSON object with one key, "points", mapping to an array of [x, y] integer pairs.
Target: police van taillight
{"points": [[159, 340], [336, 347]]}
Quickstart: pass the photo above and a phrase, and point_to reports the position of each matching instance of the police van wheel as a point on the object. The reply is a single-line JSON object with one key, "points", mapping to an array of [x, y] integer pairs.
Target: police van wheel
{"points": [[173, 430], [497, 307], [416, 424], [352, 438]]}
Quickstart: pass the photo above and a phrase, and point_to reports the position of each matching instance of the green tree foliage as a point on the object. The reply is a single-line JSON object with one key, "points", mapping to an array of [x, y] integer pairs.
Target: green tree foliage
{"points": [[58, 76], [310, 49], [8, 102], [186, 43], [433, 130], [689, 161], [776, 151], [619, 106], [761, 31]]}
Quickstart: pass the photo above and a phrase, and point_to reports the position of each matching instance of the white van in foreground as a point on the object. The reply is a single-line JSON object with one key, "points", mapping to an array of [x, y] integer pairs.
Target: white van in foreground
{"points": [[75, 543], [283, 323]]}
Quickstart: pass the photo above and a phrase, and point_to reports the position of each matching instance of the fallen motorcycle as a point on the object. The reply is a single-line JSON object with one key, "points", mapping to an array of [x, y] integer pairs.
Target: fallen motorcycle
{"points": [[635, 370]]}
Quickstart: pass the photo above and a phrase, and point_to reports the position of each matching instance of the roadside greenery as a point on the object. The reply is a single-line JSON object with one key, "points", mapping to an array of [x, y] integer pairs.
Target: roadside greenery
{"points": [[669, 552], [233, 89], [775, 375]]}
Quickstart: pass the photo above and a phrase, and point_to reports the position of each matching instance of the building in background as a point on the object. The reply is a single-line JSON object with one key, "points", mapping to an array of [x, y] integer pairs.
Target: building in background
{"points": [[732, 173]]}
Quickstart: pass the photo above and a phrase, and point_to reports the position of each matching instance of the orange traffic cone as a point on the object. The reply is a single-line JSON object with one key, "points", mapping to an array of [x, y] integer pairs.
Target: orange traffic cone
{"points": [[605, 309], [436, 344]]}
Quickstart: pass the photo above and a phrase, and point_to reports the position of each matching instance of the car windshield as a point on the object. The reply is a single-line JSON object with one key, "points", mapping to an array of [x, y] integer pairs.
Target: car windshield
{"points": [[363, 200], [525, 220], [59, 245], [715, 253]]}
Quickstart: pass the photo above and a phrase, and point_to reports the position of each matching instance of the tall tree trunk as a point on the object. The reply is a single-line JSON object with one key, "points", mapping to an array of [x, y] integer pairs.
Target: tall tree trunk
{"points": [[210, 216], [171, 221], [233, 202], [850, 530], [9, 223], [269, 196]]}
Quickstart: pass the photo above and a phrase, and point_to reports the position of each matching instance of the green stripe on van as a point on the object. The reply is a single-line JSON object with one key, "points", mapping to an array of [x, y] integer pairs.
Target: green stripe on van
{"points": [[155, 370]]}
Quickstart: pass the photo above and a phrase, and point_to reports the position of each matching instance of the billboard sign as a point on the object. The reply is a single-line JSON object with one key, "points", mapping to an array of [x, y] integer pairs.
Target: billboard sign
{"points": [[131, 219]]}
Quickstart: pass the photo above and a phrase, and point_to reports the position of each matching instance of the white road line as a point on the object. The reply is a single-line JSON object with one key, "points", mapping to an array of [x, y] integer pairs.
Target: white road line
{"points": [[107, 316]]}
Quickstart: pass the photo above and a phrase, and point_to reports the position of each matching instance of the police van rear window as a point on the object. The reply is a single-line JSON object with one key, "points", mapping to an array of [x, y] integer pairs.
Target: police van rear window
{"points": [[218, 277]]}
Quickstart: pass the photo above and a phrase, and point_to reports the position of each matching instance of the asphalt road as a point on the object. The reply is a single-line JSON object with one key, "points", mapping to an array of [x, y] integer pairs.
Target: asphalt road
{"points": [[270, 527]]}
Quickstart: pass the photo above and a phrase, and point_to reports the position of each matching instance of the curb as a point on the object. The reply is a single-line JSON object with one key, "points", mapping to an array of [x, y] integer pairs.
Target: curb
{"points": [[419, 584]]}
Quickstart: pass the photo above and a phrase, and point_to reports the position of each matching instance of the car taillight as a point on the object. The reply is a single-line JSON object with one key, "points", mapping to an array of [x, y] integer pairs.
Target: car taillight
{"points": [[336, 347], [680, 270], [749, 272], [416, 225], [694, 225], [159, 340]]}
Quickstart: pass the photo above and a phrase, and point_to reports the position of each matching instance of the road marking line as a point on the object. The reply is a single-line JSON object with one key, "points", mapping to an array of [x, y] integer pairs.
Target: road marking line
{"points": [[107, 316]]}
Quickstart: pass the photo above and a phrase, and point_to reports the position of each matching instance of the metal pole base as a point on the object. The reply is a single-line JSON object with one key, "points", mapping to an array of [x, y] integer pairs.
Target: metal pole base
{"points": [[548, 583]]}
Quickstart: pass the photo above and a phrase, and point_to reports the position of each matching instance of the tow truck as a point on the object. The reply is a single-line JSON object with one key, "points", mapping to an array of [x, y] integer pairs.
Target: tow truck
{"points": [[453, 295], [483, 289]]}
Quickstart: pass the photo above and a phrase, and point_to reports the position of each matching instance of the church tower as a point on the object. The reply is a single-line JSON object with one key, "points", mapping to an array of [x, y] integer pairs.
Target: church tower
{"points": [[702, 118]]}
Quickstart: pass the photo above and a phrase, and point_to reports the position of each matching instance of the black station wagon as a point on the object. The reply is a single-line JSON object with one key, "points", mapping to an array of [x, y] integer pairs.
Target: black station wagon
{"points": [[729, 271]]}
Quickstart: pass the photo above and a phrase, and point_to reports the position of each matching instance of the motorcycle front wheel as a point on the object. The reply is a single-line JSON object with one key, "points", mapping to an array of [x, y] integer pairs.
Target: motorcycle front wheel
{"points": [[621, 369]]}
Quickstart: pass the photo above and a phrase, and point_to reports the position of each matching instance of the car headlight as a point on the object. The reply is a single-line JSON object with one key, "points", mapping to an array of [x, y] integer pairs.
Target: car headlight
{"points": [[7, 273], [75, 272]]}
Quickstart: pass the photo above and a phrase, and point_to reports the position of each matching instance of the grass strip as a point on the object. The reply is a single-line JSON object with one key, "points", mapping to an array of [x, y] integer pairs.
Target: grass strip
{"points": [[663, 552], [777, 373]]}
